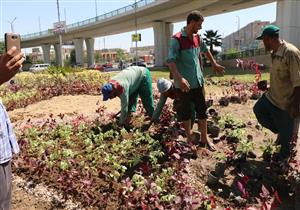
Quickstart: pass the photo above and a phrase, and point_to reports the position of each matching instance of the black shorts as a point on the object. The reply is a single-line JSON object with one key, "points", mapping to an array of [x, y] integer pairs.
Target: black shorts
{"points": [[188, 102]]}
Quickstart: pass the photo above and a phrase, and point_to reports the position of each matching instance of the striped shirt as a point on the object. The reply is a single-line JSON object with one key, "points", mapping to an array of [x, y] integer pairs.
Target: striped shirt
{"points": [[8, 141]]}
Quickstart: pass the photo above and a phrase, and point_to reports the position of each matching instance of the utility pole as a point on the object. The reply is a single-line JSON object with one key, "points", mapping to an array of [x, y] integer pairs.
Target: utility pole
{"points": [[136, 41], [65, 13], [238, 32], [96, 9], [40, 24], [60, 37], [12, 24]]}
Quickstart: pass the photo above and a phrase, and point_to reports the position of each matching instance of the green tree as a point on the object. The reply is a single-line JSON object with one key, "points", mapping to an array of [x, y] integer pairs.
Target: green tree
{"points": [[120, 54], [97, 58], [212, 39], [72, 57], [28, 59], [2, 48]]}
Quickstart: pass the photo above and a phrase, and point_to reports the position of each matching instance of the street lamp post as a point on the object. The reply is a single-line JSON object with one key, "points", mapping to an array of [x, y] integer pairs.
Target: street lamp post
{"points": [[135, 23], [238, 32], [40, 24], [60, 37], [12, 24], [65, 13], [96, 9]]}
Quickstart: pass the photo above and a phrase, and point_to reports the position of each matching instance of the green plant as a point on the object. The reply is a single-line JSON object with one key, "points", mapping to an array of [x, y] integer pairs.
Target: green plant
{"points": [[269, 147], [220, 156], [228, 121], [245, 146], [238, 133]]}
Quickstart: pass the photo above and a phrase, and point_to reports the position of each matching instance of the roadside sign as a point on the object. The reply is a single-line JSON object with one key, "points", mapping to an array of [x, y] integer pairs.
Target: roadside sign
{"points": [[136, 37], [59, 27]]}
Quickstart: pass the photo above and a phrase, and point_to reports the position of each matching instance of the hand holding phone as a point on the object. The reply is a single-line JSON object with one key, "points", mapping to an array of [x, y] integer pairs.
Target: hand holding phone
{"points": [[12, 60], [13, 40]]}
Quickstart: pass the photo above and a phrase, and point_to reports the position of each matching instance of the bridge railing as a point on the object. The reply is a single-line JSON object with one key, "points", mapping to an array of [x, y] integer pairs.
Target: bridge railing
{"points": [[243, 54], [100, 18]]}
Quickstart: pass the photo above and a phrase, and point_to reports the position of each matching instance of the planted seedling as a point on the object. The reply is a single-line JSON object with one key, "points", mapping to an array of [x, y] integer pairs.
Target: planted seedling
{"points": [[268, 149], [243, 148]]}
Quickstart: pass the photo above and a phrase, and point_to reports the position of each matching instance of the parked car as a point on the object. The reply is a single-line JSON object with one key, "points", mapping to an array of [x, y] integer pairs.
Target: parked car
{"points": [[139, 63], [39, 67], [96, 67], [107, 65]]}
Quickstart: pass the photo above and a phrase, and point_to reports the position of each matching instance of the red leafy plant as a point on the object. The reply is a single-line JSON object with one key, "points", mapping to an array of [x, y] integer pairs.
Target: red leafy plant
{"points": [[267, 200]]}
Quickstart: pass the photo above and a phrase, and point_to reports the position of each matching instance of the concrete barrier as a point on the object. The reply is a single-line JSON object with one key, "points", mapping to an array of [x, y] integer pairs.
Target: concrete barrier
{"points": [[261, 59]]}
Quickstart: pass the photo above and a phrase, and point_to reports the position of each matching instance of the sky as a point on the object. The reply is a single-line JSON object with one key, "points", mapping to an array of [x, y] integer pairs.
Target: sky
{"points": [[30, 16]]}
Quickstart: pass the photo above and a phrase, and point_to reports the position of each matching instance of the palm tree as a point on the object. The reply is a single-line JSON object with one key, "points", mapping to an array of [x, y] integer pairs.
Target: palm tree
{"points": [[212, 38]]}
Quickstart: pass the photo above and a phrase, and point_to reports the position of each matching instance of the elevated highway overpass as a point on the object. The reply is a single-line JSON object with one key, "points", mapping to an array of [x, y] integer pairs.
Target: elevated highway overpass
{"points": [[159, 14]]}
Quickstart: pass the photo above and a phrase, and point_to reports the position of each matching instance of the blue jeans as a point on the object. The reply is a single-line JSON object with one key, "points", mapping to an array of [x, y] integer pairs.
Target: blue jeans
{"points": [[276, 120]]}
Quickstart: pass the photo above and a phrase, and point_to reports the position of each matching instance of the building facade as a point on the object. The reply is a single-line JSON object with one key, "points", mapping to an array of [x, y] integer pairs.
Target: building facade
{"points": [[244, 38], [146, 53]]}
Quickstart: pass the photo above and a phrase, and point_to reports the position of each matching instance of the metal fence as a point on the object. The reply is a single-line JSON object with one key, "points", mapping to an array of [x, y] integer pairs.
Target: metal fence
{"points": [[243, 54], [100, 18]]}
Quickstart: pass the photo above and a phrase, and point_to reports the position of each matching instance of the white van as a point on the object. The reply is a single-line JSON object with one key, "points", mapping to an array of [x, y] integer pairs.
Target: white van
{"points": [[39, 67]]}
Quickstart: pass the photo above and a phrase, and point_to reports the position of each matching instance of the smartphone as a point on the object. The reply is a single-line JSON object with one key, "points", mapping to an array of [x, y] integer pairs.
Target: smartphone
{"points": [[12, 40]]}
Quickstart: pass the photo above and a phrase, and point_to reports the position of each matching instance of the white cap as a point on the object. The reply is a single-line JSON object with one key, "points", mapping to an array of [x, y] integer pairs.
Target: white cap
{"points": [[163, 85]]}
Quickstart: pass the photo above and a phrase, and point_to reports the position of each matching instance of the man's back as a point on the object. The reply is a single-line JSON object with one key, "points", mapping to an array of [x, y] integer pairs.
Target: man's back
{"points": [[130, 78]]}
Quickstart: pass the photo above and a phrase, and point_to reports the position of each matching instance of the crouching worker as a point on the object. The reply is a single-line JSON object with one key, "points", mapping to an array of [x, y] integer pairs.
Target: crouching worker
{"points": [[167, 90], [132, 82], [278, 108]]}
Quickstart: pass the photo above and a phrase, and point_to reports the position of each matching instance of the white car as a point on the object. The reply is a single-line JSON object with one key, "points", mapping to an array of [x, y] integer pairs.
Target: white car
{"points": [[39, 67]]}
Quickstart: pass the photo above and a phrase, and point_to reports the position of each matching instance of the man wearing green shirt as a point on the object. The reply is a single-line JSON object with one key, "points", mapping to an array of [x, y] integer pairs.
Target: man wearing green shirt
{"points": [[184, 61], [128, 85], [279, 108]]}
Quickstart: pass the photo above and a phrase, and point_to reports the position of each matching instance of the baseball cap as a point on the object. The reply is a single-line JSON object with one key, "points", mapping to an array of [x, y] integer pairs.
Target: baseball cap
{"points": [[163, 85], [269, 30], [106, 90]]}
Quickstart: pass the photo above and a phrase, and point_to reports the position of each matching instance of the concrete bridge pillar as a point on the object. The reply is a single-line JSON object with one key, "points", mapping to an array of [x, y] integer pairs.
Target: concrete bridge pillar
{"points": [[90, 50], [79, 51], [58, 54], [162, 34], [287, 19], [46, 52]]}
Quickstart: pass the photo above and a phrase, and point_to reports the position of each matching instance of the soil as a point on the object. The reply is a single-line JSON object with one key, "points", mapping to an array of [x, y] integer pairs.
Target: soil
{"points": [[68, 105], [24, 198]]}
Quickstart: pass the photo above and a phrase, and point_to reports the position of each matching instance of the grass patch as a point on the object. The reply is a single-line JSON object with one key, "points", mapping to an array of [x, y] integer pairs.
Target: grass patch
{"points": [[241, 75]]}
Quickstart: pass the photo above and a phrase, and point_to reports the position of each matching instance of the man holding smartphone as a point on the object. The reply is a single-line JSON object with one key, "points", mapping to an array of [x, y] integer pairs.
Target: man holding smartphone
{"points": [[9, 66]]}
